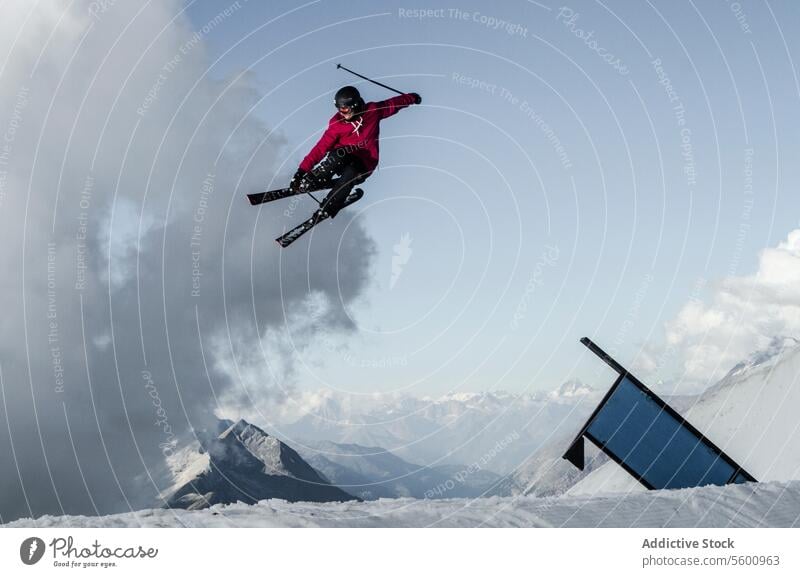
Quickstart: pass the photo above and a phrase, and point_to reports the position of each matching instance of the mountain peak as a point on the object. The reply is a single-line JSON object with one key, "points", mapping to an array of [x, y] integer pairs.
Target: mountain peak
{"points": [[571, 389], [246, 464], [763, 357], [239, 429]]}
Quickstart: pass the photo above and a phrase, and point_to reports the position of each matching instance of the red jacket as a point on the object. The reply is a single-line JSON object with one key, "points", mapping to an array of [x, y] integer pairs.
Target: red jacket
{"points": [[359, 135]]}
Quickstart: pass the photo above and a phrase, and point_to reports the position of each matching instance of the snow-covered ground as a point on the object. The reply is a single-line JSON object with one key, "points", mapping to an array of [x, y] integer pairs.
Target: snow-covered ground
{"points": [[752, 505]]}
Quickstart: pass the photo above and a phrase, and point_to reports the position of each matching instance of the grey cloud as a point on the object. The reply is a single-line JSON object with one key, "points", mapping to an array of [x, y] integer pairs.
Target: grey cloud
{"points": [[103, 371]]}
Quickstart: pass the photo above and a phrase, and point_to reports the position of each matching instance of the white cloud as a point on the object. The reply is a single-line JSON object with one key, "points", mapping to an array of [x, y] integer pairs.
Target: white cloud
{"points": [[742, 314]]}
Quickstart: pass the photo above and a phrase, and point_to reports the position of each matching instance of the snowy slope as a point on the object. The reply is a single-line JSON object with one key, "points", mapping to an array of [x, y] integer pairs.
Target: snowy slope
{"points": [[546, 473], [186, 464], [751, 505], [751, 414]]}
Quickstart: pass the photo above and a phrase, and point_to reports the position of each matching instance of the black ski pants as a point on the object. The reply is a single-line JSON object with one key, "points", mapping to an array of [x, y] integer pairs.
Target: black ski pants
{"points": [[350, 171]]}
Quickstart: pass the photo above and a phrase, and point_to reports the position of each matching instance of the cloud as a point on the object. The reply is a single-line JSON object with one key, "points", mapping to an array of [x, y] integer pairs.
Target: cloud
{"points": [[120, 237], [138, 282], [742, 315]]}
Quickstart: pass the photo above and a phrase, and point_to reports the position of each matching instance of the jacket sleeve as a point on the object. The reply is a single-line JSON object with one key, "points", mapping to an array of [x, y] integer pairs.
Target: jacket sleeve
{"points": [[393, 105], [326, 143]]}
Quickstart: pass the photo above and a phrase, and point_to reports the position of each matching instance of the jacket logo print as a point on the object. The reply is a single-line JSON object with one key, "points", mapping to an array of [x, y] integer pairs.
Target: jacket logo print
{"points": [[357, 126]]}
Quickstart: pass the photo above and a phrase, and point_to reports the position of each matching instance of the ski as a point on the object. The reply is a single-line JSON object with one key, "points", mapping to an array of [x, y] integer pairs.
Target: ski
{"points": [[302, 228], [270, 195], [311, 185]]}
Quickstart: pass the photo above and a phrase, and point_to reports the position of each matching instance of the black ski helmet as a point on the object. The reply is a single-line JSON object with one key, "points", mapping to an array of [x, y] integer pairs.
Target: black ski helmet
{"points": [[348, 96]]}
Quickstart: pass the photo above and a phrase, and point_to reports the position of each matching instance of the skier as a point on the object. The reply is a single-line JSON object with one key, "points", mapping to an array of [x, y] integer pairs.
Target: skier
{"points": [[348, 148]]}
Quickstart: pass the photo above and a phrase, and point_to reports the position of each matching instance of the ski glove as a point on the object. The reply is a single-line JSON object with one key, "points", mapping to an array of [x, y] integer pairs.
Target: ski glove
{"points": [[417, 97], [297, 179]]}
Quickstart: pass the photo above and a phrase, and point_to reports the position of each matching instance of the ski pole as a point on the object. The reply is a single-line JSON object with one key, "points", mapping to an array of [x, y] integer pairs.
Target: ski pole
{"points": [[369, 79], [308, 192]]}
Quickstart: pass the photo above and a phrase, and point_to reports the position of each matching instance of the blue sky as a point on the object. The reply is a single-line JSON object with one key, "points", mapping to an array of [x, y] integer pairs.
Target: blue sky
{"points": [[579, 169]]}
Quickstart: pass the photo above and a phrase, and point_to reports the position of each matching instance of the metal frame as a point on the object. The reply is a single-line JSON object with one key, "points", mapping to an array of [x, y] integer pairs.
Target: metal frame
{"points": [[575, 453]]}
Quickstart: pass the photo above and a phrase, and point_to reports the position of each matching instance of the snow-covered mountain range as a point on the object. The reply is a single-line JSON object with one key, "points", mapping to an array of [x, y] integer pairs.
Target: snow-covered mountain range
{"points": [[373, 473], [498, 430], [750, 413], [241, 462]]}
